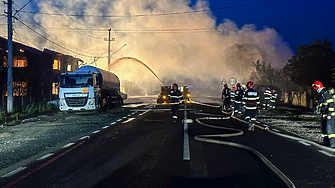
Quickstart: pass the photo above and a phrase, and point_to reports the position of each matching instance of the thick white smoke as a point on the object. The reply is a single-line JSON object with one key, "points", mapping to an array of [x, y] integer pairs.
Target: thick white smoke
{"points": [[177, 51]]}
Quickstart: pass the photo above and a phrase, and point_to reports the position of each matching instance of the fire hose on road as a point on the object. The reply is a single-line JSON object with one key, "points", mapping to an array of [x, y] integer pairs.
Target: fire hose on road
{"points": [[236, 132]]}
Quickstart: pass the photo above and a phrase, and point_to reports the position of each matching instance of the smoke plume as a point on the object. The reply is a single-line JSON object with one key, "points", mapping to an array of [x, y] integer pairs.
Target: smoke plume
{"points": [[189, 48]]}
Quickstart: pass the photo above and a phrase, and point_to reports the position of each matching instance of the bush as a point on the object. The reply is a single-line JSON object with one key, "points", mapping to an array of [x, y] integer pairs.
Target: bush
{"points": [[28, 110], [32, 108], [2, 113]]}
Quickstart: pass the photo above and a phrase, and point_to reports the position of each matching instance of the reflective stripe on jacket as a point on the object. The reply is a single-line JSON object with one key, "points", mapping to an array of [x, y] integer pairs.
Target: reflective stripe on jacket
{"points": [[326, 103], [251, 99], [175, 96]]}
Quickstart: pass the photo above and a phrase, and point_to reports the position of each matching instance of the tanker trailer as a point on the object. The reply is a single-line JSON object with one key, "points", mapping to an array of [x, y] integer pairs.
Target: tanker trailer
{"points": [[89, 89]]}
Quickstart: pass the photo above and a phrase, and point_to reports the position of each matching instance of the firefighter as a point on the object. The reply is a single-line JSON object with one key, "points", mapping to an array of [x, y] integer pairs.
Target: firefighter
{"points": [[226, 97], [273, 99], [251, 101], [325, 107], [244, 89], [176, 96], [232, 99], [267, 98], [238, 100]]}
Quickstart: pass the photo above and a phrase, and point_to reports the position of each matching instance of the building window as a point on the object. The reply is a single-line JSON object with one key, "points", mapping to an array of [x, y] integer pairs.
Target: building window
{"points": [[55, 88], [19, 89], [18, 61], [69, 68], [56, 65]]}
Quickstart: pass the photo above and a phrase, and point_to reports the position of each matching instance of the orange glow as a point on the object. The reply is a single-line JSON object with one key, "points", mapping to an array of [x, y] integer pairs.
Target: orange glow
{"points": [[18, 61], [85, 90], [56, 65], [55, 89], [19, 89]]}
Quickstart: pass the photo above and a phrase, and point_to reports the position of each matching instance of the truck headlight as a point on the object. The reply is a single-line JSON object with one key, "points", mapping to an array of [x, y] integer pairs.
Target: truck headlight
{"points": [[188, 95], [164, 97]]}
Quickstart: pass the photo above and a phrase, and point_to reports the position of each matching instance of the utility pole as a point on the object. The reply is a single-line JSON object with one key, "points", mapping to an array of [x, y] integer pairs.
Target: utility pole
{"points": [[109, 44], [10, 99]]}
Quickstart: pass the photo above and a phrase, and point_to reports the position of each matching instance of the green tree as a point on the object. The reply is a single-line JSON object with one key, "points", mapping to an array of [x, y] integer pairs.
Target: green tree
{"points": [[264, 73], [312, 62]]}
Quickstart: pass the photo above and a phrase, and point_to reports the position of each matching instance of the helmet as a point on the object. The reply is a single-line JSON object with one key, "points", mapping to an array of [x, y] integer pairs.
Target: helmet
{"points": [[250, 84], [238, 85], [175, 84], [234, 88], [268, 87], [243, 85], [225, 85], [317, 85], [273, 91]]}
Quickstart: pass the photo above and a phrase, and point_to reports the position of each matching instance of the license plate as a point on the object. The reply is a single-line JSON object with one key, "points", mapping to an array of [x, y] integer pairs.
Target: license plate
{"points": [[76, 108]]}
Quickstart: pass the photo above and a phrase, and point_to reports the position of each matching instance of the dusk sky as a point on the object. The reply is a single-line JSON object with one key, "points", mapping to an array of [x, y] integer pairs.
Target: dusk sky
{"points": [[297, 21]]}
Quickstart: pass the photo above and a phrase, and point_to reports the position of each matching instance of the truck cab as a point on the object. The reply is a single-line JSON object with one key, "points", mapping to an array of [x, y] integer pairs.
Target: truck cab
{"points": [[163, 96], [79, 92]]}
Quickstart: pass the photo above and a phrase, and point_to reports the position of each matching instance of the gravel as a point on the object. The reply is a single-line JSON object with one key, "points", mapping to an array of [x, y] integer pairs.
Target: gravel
{"points": [[300, 123], [47, 133]]}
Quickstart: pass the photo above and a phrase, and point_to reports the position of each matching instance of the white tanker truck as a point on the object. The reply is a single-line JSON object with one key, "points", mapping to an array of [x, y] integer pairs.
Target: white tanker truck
{"points": [[89, 89]]}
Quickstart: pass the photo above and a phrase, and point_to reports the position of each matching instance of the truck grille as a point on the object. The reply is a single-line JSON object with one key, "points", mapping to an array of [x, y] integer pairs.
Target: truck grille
{"points": [[76, 101]]}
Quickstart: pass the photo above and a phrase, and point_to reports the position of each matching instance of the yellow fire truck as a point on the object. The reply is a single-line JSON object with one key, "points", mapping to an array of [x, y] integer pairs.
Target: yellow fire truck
{"points": [[163, 96], [186, 92]]}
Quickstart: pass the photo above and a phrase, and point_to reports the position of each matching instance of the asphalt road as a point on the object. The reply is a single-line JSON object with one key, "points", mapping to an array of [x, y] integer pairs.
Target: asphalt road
{"points": [[148, 149]]}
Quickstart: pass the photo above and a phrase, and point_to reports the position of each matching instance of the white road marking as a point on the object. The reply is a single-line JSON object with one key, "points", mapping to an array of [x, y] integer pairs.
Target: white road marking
{"points": [[304, 143], [105, 127], [13, 172], [84, 137], [326, 153], [68, 145], [119, 120], [133, 113], [142, 113], [124, 117], [113, 123], [45, 156], [186, 153], [96, 131], [129, 115], [130, 119], [276, 130]]}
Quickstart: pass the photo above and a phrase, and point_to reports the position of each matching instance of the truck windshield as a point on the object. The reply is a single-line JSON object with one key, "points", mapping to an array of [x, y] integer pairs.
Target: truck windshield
{"points": [[76, 80]]}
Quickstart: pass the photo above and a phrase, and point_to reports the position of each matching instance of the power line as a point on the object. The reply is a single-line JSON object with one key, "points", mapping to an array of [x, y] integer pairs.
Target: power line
{"points": [[17, 11], [45, 30], [156, 14], [33, 43], [57, 38], [47, 2], [176, 30], [53, 41]]}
